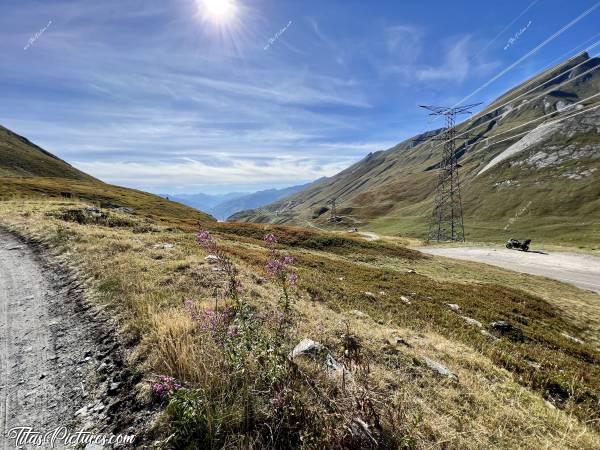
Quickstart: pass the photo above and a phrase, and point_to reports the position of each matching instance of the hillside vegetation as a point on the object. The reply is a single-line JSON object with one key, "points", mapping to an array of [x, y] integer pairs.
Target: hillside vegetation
{"points": [[28, 171], [541, 179], [416, 364]]}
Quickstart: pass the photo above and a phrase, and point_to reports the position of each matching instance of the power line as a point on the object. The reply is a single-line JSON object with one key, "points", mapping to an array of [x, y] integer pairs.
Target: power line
{"points": [[545, 115], [528, 92], [531, 52], [505, 28], [549, 123]]}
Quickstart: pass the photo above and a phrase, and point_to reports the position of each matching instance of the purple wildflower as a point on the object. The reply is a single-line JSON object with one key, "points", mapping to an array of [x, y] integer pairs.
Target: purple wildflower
{"points": [[163, 386], [293, 278], [270, 240]]}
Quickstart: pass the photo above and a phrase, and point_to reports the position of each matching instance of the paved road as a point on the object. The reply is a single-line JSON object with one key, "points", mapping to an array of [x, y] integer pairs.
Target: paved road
{"points": [[581, 270]]}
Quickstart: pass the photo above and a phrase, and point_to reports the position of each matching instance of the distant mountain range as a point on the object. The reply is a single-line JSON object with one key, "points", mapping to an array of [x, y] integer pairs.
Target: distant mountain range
{"points": [[223, 206], [531, 168]]}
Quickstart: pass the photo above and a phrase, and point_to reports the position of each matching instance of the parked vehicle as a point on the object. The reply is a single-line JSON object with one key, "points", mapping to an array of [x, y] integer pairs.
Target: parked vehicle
{"points": [[515, 243]]}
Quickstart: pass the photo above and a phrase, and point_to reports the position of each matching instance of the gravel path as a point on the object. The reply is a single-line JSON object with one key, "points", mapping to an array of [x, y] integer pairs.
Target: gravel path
{"points": [[51, 343], [581, 270]]}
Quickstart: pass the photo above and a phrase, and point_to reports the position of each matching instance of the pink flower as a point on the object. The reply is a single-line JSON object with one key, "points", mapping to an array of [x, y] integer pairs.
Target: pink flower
{"points": [[270, 240], [293, 278], [164, 386]]}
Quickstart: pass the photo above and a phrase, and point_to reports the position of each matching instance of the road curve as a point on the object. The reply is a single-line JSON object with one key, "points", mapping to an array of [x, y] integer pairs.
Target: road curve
{"points": [[580, 270]]}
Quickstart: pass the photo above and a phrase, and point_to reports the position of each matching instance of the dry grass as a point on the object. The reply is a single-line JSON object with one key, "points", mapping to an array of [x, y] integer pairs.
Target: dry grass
{"points": [[497, 402]]}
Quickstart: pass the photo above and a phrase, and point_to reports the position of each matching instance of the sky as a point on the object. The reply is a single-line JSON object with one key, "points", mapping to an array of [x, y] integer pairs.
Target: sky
{"points": [[213, 96]]}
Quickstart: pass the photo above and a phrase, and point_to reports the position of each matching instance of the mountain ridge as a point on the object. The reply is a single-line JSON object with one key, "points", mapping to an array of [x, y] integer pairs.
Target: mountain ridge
{"points": [[392, 191]]}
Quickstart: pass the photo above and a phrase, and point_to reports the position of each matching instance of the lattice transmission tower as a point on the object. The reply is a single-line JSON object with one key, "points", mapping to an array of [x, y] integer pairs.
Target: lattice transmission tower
{"points": [[447, 216], [333, 217]]}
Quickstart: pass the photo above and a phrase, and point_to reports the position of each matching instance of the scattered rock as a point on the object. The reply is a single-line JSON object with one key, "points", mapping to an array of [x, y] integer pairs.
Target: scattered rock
{"points": [[453, 306], [489, 335], [471, 321], [360, 314], [314, 349], [533, 364], [405, 299], [332, 364], [82, 412], [369, 294], [212, 259], [164, 246], [125, 210], [439, 368], [307, 347], [382, 293], [93, 447], [506, 329], [411, 271], [42, 376], [98, 408], [397, 340], [572, 338], [114, 388]]}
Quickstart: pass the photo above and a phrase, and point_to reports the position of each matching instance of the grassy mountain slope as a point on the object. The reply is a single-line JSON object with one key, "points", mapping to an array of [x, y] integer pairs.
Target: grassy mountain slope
{"points": [[28, 171], [20, 157], [548, 190], [383, 311]]}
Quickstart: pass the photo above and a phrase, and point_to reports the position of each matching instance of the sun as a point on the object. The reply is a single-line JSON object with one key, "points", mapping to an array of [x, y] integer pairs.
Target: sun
{"points": [[219, 12]]}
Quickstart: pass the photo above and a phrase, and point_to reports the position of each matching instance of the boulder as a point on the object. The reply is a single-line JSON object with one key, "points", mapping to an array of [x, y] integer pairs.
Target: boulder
{"points": [[307, 347], [313, 349]]}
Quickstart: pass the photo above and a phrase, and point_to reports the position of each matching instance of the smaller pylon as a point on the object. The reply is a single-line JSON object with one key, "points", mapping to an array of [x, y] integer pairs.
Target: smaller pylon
{"points": [[333, 217]]}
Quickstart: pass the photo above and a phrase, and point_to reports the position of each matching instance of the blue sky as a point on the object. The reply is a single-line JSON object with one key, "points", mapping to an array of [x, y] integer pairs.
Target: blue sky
{"points": [[159, 95]]}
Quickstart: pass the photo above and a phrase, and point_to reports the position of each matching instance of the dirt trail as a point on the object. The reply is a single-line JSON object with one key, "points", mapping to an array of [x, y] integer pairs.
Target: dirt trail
{"points": [[51, 343], [581, 270]]}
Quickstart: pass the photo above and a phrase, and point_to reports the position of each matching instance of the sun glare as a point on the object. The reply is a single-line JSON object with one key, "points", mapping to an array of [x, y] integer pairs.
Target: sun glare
{"points": [[218, 11]]}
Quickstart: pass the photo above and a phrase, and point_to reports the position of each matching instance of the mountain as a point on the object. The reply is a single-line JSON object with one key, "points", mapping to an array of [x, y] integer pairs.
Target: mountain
{"points": [[21, 158], [27, 170], [257, 199], [204, 202], [531, 169], [223, 206]]}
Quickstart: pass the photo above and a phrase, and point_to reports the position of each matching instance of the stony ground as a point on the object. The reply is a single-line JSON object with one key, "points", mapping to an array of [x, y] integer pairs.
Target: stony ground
{"points": [[60, 363]]}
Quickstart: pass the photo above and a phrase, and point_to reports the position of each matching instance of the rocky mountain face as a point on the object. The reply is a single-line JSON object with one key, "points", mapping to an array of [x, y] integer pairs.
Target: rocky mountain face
{"points": [[537, 146]]}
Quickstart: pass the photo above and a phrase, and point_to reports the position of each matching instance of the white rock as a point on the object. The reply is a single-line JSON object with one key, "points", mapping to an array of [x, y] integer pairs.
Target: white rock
{"points": [[439, 368], [306, 347], [574, 339], [453, 306], [470, 321]]}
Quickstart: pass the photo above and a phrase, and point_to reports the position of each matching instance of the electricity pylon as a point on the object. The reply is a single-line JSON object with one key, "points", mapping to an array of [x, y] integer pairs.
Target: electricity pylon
{"points": [[333, 217], [447, 216]]}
